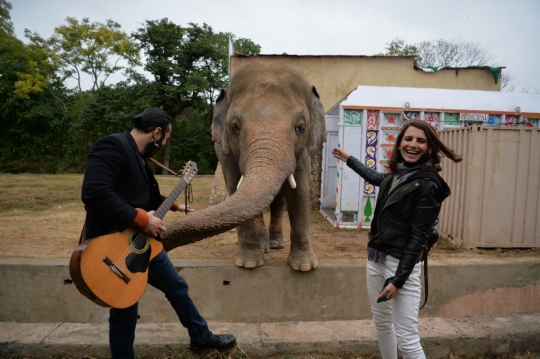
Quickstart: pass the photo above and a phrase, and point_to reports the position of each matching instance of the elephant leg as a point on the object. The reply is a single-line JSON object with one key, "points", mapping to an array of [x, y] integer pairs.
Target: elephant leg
{"points": [[276, 222], [262, 233], [301, 256], [250, 254]]}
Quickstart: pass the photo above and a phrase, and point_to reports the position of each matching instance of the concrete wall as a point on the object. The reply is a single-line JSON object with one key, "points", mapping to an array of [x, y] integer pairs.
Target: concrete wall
{"points": [[40, 290], [336, 76]]}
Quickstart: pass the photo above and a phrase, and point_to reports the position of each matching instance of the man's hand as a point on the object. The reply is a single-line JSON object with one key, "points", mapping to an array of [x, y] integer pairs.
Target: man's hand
{"points": [[155, 225]]}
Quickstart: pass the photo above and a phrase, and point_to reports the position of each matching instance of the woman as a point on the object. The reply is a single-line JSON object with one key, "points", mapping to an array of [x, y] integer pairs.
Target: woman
{"points": [[408, 203]]}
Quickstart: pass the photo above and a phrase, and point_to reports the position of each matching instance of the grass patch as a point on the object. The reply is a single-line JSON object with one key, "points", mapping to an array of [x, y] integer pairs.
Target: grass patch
{"points": [[40, 192]]}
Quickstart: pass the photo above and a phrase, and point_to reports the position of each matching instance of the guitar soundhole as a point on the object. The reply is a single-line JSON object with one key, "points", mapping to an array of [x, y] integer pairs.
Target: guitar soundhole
{"points": [[138, 259]]}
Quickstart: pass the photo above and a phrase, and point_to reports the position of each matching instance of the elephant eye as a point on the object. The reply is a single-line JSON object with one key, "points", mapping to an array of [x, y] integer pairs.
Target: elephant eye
{"points": [[235, 127], [301, 127]]}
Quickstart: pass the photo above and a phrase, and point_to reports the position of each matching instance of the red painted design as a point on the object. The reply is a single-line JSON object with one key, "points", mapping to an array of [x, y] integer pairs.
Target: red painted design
{"points": [[373, 120], [432, 118], [511, 121]]}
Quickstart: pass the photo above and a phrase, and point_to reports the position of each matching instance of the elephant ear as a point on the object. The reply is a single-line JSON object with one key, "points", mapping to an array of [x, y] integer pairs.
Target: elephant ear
{"points": [[317, 130], [219, 131]]}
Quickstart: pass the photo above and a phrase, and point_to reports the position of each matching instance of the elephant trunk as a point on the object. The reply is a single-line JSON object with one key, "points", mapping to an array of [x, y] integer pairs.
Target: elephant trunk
{"points": [[259, 187]]}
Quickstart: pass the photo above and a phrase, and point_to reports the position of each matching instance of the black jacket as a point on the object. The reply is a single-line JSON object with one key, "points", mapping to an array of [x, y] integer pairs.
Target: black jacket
{"points": [[403, 218], [116, 181]]}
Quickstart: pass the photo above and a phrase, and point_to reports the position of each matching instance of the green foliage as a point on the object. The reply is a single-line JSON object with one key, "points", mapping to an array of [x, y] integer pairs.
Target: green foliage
{"points": [[189, 66], [398, 47], [48, 128], [92, 48], [6, 26], [34, 128]]}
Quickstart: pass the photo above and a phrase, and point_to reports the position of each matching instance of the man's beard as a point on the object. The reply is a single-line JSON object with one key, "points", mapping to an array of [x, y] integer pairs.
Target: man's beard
{"points": [[153, 147]]}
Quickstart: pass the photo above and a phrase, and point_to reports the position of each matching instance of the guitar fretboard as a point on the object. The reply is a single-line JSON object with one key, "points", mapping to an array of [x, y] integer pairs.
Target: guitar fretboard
{"points": [[168, 202]]}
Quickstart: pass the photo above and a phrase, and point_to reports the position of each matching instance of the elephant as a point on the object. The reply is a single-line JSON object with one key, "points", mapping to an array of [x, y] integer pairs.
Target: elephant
{"points": [[266, 125]]}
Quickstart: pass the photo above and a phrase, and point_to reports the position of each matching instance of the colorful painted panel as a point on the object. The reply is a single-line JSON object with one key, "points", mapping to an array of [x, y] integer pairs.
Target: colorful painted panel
{"points": [[387, 152], [372, 122], [511, 121], [389, 137], [392, 120], [532, 122], [494, 120], [411, 115], [371, 158], [368, 209], [353, 117], [432, 118], [451, 119]]}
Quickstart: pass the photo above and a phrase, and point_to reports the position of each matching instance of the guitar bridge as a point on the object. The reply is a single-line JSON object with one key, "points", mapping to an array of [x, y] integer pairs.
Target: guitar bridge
{"points": [[116, 270]]}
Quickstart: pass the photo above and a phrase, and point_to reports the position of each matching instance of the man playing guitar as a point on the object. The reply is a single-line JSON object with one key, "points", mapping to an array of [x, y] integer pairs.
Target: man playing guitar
{"points": [[119, 191]]}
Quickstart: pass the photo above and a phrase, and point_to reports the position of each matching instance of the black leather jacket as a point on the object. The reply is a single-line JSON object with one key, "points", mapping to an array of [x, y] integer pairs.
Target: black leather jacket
{"points": [[403, 218]]}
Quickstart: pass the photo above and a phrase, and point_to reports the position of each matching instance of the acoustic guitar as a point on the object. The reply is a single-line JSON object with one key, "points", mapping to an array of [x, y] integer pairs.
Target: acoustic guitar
{"points": [[112, 270]]}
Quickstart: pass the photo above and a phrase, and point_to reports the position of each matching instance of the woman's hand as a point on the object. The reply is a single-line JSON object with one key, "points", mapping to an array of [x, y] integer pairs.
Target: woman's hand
{"points": [[389, 289], [340, 154]]}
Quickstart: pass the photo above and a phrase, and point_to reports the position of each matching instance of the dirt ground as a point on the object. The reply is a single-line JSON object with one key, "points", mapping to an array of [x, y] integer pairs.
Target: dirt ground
{"points": [[54, 233]]}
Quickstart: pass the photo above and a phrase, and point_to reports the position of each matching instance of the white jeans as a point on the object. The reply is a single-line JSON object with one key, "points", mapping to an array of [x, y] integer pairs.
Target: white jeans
{"points": [[396, 320]]}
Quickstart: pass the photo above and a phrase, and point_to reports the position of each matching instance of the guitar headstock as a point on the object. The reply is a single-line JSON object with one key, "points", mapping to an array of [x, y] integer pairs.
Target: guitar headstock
{"points": [[189, 170]]}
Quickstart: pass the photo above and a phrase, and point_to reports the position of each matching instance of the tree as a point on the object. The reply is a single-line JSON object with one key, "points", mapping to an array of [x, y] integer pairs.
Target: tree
{"points": [[92, 48], [189, 66], [35, 133], [447, 53], [6, 26], [398, 47], [76, 49], [443, 53]]}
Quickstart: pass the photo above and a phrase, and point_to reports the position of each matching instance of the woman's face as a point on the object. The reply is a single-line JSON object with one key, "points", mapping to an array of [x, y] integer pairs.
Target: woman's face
{"points": [[413, 145]]}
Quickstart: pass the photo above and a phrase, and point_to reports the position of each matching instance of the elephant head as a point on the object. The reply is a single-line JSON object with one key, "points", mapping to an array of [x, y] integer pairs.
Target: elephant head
{"points": [[264, 123]]}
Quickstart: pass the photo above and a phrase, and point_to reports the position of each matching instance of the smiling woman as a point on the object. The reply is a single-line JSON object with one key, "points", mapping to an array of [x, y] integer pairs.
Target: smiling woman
{"points": [[407, 207], [414, 145]]}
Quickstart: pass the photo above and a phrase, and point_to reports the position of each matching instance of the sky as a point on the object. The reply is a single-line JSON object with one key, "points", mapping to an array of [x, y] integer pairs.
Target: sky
{"points": [[508, 29]]}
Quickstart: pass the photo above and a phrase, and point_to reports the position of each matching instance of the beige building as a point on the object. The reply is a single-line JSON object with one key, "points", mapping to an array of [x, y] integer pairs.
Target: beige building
{"points": [[336, 76]]}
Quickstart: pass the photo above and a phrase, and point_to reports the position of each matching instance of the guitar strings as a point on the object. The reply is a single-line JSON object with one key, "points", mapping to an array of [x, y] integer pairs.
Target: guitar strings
{"points": [[129, 255]]}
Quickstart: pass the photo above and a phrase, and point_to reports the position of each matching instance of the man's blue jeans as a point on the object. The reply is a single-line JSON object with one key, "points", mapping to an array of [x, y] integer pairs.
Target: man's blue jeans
{"points": [[163, 276]]}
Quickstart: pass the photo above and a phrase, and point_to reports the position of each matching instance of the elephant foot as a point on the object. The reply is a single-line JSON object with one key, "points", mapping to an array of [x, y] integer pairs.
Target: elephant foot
{"points": [[265, 242], [276, 240], [302, 260], [275, 244], [249, 258]]}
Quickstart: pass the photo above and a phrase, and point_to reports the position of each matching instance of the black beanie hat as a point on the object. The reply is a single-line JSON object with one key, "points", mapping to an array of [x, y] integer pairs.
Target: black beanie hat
{"points": [[151, 118]]}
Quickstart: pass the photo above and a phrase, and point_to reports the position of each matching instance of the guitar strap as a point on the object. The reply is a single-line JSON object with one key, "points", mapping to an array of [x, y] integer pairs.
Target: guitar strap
{"points": [[163, 166], [83, 232]]}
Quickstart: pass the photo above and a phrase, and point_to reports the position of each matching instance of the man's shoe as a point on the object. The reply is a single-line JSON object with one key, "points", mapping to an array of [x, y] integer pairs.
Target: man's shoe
{"points": [[218, 342]]}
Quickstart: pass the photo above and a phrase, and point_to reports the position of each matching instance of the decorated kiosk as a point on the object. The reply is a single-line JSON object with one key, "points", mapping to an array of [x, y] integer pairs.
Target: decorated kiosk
{"points": [[367, 121]]}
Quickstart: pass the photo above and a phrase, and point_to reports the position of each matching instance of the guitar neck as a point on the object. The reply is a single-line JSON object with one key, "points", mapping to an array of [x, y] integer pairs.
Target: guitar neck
{"points": [[169, 201]]}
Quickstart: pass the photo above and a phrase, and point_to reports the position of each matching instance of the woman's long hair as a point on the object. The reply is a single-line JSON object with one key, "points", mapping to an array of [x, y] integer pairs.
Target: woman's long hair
{"points": [[435, 146]]}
